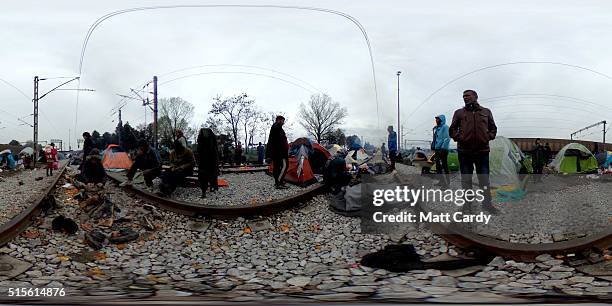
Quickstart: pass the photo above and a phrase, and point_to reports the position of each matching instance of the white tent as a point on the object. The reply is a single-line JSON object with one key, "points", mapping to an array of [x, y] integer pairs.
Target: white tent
{"points": [[27, 151], [504, 162]]}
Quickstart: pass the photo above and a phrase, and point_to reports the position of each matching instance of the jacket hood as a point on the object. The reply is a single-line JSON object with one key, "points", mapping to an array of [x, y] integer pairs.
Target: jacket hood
{"points": [[442, 119]]}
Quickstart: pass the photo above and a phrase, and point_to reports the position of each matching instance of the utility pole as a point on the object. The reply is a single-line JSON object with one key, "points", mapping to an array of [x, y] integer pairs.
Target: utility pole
{"points": [[398, 112], [604, 135], [35, 100], [155, 112], [69, 142]]}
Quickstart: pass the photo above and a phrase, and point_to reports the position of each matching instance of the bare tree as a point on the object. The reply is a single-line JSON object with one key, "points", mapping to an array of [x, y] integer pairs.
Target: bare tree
{"points": [[321, 116], [233, 110], [175, 113]]}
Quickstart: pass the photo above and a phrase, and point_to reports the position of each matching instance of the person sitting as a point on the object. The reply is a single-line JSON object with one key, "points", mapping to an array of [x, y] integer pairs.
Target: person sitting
{"points": [[93, 170], [335, 175], [147, 160], [181, 166]]}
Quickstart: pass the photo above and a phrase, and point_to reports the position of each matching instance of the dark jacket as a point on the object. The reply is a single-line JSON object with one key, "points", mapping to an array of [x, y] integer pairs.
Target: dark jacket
{"points": [[93, 170], [472, 128], [208, 158], [278, 147], [88, 145], [149, 160], [538, 156]]}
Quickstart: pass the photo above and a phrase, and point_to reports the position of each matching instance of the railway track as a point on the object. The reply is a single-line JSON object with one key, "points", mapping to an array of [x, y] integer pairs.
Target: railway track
{"points": [[23, 220], [243, 210]]}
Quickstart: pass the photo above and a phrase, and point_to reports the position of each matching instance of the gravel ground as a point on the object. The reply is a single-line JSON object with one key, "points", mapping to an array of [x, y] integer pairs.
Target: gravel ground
{"points": [[304, 253], [243, 188], [557, 209], [15, 197]]}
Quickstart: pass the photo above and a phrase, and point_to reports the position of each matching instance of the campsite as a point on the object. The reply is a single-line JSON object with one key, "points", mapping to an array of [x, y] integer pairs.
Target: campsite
{"points": [[305, 152]]}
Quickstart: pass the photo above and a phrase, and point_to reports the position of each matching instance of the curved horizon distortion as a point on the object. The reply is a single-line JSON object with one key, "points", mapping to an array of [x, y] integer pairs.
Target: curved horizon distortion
{"points": [[315, 9]]}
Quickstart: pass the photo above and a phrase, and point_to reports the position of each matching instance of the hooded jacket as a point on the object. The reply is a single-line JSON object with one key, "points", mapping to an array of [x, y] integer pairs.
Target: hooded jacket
{"points": [[441, 138], [392, 141], [472, 128]]}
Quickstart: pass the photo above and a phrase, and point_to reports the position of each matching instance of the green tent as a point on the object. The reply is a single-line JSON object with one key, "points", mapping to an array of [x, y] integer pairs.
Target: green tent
{"points": [[505, 161], [452, 159], [574, 158]]}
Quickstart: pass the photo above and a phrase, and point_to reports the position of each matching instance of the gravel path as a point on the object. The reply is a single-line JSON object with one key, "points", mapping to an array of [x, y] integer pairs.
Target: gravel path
{"points": [[304, 253], [557, 209], [243, 189], [19, 190]]}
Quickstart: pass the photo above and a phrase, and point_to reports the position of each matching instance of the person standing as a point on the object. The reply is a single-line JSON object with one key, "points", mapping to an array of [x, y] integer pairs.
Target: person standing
{"points": [[88, 145], [472, 128], [238, 154], [538, 159], [56, 158], [208, 161], [278, 152], [439, 145], [261, 151], [50, 156], [547, 153], [392, 141]]}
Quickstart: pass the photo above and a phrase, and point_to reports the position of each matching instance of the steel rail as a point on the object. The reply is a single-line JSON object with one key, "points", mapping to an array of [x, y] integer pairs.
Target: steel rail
{"points": [[243, 210], [23, 220]]}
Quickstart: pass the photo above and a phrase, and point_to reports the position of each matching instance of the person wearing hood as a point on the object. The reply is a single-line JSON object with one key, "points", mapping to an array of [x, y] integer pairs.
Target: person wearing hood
{"points": [[472, 128], [208, 161], [439, 145]]}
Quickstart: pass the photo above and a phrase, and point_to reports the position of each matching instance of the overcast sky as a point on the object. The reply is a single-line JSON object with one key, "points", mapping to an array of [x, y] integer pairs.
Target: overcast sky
{"points": [[295, 53]]}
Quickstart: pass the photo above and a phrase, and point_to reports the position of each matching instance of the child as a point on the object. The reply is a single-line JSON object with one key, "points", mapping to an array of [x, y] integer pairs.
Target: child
{"points": [[50, 156]]}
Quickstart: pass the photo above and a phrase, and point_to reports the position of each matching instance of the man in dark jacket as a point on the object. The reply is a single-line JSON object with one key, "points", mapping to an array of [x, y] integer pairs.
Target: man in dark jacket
{"points": [[547, 153], [472, 128], [278, 152], [208, 161], [148, 161], [538, 160]]}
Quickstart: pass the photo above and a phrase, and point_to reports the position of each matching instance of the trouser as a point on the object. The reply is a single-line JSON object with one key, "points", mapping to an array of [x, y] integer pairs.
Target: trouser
{"points": [[441, 160], [206, 180], [392, 157], [468, 161], [50, 169], [171, 180], [279, 169]]}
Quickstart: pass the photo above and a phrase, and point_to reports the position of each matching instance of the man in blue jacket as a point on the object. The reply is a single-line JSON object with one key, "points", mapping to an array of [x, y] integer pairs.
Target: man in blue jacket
{"points": [[392, 141], [439, 145]]}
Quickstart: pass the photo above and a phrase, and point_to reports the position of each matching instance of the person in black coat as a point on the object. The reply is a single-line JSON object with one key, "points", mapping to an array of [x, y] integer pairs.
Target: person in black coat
{"points": [[88, 145], [93, 170], [278, 152], [208, 161]]}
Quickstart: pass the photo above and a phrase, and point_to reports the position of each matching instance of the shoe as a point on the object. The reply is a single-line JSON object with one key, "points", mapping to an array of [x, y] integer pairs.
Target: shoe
{"points": [[283, 186]]}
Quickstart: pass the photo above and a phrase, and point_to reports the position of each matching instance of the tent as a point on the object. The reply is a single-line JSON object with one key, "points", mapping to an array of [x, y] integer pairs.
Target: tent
{"points": [[114, 158], [357, 157], [505, 161], [27, 151], [574, 158], [306, 158], [334, 149]]}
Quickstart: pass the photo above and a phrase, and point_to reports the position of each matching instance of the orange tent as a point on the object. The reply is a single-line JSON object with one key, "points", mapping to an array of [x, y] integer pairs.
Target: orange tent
{"points": [[115, 159], [305, 178]]}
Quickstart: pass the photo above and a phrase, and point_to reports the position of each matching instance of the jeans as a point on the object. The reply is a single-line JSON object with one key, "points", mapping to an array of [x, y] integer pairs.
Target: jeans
{"points": [[468, 161], [441, 160], [392, 157]]}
